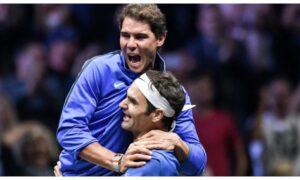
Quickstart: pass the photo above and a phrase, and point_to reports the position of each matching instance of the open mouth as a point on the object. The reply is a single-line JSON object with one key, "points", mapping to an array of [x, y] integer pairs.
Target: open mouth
{"points": [[134, 60], [126, 117]]}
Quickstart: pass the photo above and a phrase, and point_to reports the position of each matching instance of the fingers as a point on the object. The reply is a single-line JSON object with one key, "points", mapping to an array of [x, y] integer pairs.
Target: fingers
{"points": [[155, 146], [57, 171], [139, 157], [58, 164], [137, 153], [143, 152], [138, 149], [165, 144], [149, 144], [135, 160], [155, 135], [128, 164], [55, 174], [148, 135], [132, 159], [135, 164]]}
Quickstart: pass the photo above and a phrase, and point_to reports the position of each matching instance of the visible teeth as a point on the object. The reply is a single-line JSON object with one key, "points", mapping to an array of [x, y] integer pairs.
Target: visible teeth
{"points": [[126, 118]]}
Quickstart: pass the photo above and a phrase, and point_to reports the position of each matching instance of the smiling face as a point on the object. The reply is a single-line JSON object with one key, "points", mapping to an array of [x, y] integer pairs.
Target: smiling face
{"points": [[135, 118], [139, 44]]}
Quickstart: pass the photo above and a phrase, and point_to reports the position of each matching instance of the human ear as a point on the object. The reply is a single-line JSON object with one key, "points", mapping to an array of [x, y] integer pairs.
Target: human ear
{"points": [[161, 40], [157, 115]]}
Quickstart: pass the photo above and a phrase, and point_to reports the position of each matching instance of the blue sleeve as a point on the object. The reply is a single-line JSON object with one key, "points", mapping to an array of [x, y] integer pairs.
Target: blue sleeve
{"points": [[73, 133], [196, 161], [151, 168]]}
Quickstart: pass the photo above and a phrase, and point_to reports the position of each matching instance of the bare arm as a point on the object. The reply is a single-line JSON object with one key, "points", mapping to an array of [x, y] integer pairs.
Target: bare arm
{"points": [[135, 156], [97, 154], [94, 153], [181, 149]]}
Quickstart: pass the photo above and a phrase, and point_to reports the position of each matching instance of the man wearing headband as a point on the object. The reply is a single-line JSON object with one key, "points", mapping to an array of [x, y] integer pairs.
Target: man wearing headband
{"points": [[153, 101], [90, 130]]}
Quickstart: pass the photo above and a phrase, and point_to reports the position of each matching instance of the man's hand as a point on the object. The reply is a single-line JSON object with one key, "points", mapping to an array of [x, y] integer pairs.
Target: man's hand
{"points": [[136, 156], [57, 171], [157, 139]]}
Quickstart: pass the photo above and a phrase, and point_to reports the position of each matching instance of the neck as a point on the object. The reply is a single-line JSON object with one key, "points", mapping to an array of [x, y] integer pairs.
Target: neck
{"points": [[137, 135]]}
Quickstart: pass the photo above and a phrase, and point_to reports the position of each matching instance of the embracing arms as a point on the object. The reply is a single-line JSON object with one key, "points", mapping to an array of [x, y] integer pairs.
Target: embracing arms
{"points": [[184, 141]]}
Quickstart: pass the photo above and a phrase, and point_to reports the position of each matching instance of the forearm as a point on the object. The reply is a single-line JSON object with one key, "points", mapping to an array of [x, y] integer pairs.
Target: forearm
{"points": [[181, 149], [97, 154], [195, 162], [192, 157], [195, 158]]}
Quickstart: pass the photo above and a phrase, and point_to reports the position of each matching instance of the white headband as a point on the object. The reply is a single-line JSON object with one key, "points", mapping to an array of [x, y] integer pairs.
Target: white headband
{"points": [[158, 101], [151, 93]]}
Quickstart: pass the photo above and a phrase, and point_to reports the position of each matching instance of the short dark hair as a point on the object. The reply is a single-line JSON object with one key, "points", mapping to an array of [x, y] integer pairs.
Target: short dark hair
{"points": [[149, 13], [168, 87]]}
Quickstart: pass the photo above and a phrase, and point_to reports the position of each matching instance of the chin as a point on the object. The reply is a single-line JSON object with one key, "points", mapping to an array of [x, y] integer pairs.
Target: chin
{"points": [[125, 126], [140, 70]]}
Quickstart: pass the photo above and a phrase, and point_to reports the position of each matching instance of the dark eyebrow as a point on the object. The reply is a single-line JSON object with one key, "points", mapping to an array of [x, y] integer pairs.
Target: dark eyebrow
{"points": [[124, 33], [131, 99], [142, 34]]}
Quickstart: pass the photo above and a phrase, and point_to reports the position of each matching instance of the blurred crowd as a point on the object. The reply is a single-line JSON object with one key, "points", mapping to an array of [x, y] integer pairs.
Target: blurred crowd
{"points": [[239, 63]]}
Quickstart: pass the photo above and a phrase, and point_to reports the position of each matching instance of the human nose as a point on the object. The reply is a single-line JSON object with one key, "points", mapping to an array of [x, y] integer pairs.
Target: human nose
{"points": [[123, 104], [131, 43]]}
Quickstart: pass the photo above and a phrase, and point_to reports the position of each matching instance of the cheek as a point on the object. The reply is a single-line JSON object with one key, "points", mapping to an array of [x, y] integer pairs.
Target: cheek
{"points": [[136, 122], [150, 45], [136, 114], [121, 44], [150, 52], [148, 49]]}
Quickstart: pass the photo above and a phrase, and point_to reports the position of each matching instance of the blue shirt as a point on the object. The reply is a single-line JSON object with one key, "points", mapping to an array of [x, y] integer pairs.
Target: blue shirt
{"points": [[163, 163], [91, 113]]}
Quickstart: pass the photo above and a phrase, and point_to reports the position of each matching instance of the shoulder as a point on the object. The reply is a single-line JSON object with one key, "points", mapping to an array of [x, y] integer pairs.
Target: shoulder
{"points": [[151, 168], [163, 163], [108, 58], [163, 155], [102, 63]]}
